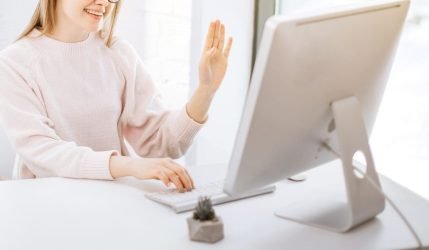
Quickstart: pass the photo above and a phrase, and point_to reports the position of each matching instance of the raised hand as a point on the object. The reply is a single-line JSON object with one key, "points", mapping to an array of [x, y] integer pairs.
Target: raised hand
{"points": [[212, 68], [214, 58]]}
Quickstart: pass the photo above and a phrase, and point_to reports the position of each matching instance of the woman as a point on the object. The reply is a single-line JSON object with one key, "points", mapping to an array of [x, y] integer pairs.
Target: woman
{"points": [[71, 93]]}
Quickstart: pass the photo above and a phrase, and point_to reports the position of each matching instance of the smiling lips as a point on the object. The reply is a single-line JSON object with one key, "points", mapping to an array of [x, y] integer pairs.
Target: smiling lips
{"points": [[94, 13]]}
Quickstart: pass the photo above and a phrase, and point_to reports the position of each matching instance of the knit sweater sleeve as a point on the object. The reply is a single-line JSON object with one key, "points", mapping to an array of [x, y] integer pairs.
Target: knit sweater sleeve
{"points": [[150, 129], [30, 130]]}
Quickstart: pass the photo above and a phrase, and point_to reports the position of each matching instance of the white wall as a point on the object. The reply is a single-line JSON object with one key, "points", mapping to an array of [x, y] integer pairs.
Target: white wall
{"points": [[14, 15]]}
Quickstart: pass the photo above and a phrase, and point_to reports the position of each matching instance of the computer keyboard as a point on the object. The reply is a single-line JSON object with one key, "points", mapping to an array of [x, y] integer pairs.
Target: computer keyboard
{"points": [[182, 202]]}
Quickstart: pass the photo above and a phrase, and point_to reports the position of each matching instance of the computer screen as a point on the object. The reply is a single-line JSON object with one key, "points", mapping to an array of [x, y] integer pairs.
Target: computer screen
{"points": [[317, 84]]}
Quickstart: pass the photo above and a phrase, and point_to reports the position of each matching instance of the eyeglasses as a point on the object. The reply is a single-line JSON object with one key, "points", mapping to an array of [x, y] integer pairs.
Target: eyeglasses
{"points": [[113, 1]]}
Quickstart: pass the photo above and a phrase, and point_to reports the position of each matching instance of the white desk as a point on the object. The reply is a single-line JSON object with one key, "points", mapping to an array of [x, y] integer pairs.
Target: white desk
{"points": [[58, 213]]}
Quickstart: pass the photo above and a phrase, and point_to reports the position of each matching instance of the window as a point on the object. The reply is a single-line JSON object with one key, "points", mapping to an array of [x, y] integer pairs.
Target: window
{"points": [[401, 134], [161, 33]]}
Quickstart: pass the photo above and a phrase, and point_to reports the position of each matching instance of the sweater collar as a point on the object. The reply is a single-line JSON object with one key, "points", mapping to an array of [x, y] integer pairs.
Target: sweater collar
{"points": [[53, 44]]}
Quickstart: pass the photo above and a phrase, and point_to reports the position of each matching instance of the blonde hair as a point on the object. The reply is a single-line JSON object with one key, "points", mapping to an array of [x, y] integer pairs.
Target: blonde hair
{"points": [[44, 20]]}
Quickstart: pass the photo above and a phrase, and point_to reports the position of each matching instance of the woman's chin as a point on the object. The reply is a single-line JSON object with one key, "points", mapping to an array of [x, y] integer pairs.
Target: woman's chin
{"points": [[92, 28]]}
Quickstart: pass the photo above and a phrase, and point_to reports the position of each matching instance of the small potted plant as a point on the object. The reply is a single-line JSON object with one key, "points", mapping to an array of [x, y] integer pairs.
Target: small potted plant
{"points": [[204, 225]]}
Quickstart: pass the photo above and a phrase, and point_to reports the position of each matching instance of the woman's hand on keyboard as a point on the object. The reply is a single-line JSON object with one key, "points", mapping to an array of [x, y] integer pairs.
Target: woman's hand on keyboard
{"points": [[163, 169]]}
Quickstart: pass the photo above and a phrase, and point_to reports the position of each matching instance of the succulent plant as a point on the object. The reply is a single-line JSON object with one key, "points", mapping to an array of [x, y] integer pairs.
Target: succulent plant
{"points": [[204, 210]]}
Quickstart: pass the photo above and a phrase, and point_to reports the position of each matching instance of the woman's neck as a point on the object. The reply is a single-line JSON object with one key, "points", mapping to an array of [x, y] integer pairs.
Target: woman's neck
{"points": [[68, 33]]}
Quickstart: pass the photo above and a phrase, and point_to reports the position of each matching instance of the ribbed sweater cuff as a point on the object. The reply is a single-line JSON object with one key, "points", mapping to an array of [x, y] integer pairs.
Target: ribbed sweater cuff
{"points": [[187, 126], [97, 166]]}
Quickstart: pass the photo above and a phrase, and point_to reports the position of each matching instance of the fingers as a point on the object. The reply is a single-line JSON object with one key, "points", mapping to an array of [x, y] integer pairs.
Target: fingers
{"points": [[166, 170], [182, 175], [174, 178], [222, 37], [210, 36], [215, 36], [164, 178], [216, 39], [228, 48], [190, 179]]}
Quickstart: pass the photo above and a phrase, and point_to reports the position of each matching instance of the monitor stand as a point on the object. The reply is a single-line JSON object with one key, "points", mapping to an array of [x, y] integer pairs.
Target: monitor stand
{"points": [[362, 202]]}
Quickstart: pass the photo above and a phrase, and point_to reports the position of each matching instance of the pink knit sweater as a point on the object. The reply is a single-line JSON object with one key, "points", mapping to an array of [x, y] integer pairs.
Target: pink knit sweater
{"points": [[67, 107]]}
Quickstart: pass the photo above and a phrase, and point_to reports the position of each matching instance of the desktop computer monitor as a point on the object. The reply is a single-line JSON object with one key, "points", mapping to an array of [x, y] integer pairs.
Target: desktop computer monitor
{"points": [[315, 90]]}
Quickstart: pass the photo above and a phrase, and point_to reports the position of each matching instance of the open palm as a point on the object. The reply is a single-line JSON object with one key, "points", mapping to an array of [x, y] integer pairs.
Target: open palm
{"points": [[214, 58]]}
